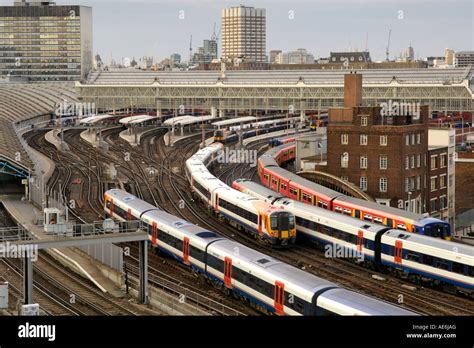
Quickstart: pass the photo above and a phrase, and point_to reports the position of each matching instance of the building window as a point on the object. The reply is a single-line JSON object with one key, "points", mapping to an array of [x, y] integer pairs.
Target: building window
{"points": [[344, 178], [451, 180], [413, 139], [345, 160], [363, 121], [363, 139], [433, 162], [383, 162], [451, 156], [418, 138], [418, 161], [363, 162], [412, 183], [407, 140], [418, 183], [442, 202], [363, 183], [412, 161], [442, 160], [383, 183], [433, 205], [433, 183], [407, 162], [383, 140], [344, 139], [406, 185], [442, 181]]}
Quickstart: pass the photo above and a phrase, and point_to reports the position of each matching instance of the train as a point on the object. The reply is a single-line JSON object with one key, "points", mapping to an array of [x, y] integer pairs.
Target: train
{"points": [[266, 283], [228, 136], [295, 187], [422, 259], [266, 223]]}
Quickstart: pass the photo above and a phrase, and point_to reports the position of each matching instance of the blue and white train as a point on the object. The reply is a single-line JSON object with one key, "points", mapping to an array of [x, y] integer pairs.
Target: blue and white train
{"points": [[268, 284], [417, 257]]}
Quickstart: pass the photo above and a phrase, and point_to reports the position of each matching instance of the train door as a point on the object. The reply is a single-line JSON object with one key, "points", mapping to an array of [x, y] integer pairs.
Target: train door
{"points": [[260, 223], [129, 214], [228, 272], [360, 240], [279, 297], [111, 209], [357, 214], [389, 222], [153, 234], [398, 251], [216, 204], [186, 250]]}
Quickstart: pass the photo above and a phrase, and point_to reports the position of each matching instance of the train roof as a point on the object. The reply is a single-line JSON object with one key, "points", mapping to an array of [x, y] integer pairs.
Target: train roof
{"points": [[134, 202], [271, 266], [274, 150], [380, 207], [305, 182], [268, 161], [234, 121], [347, 302], [185, 227], [430, 242], [260, 190]]}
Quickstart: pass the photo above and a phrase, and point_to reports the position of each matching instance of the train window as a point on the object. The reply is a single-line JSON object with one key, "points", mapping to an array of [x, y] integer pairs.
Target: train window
{"points": [[265, 176], [107, 204], [347, 211], [402, 227], [292, 221], [273, 222], [320, 203], [412, 256], [470, 271], [458, 267], [367, 217], [338, 209], [441, 263], [427, 260], [293, 191], [283, 187], [325, 205], [274, 181], [378, 220]]}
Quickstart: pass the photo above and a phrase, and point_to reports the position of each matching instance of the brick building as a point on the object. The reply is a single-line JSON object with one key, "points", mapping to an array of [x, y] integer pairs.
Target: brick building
{"points": [[464, 188], [384, 153]]}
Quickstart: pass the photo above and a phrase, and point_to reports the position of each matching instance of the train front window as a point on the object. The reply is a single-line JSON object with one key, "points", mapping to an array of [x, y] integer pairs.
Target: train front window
{"points": [[292, 221], [273, 222]]}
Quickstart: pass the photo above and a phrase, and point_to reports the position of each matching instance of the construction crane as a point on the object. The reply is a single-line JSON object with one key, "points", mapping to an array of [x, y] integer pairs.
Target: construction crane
{"points": [[387, 50], [190, 49], [215, 37]]}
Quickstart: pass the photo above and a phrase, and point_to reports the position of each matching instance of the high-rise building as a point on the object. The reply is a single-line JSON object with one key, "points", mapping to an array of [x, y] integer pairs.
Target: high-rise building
{"points": [[45, 42], [210, 48], [244, 34], [449, 56], [300, 56], [175, 58], [273, 55], [464, 58], [409, 54], [381, 149]]}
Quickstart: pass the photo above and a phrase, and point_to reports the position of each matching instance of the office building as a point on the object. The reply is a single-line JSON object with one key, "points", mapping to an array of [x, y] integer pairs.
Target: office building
{"points": [[244, 34], [463, 59], [45, 42]]}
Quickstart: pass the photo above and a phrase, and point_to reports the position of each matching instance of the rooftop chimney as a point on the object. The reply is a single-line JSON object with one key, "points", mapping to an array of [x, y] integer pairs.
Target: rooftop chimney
{"points": [[352, 90]]}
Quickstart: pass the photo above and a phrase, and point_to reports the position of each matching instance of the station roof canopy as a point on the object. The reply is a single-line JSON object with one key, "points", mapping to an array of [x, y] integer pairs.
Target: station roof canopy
{"points": [[95, 119], [136, 119], [234, 121], [188, 120]]}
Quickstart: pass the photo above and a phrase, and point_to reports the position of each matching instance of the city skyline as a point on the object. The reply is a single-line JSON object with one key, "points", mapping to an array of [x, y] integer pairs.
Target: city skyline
{"points": [[160, 28]]}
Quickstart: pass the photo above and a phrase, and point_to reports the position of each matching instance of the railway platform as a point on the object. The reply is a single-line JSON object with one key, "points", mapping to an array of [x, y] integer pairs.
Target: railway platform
{"points": [[133, 135], [25, 213]]}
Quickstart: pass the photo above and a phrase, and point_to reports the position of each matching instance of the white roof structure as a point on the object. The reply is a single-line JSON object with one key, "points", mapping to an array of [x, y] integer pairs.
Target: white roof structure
{"points": [[187, 120], [234, 121], [95, 119], [136, 119]]}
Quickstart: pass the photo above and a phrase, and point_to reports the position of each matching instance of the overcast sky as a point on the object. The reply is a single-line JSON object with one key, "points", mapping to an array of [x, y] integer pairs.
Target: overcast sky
{"points": [[153, 27]]}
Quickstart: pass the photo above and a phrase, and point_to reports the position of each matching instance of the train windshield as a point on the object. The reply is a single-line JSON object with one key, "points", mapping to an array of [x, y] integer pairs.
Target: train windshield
{"points": [[437, 230], [282, 221]]}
